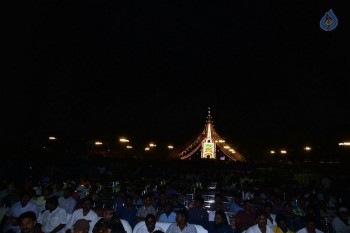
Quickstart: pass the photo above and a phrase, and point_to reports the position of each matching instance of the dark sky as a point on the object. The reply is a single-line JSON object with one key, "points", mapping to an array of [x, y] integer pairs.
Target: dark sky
{"points": [[149, 70]]}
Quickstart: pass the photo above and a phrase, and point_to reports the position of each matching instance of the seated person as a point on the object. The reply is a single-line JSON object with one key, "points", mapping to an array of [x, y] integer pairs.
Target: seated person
{"points": [[150, 225], [168, 215], [261, 226], [198, 214], [146, 209], [181, 225], [220, 224], [108, 217], [310, 225]]}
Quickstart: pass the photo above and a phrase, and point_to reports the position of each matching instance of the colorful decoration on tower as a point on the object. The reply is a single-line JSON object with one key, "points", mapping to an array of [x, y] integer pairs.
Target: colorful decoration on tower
{"points": [[208, 143]]}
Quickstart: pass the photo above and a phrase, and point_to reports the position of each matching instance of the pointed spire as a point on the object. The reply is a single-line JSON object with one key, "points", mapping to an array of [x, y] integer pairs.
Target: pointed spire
{"points": [[208, 132], [208, 125]]}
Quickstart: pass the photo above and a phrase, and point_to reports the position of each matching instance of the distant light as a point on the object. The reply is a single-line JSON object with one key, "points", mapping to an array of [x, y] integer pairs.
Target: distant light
{"points": [[170, 147], [272, 152], [152, 145], [98, 143], [129, 147], [123, 140], [283, 152], [232, 151], [221, 141], [307, 148], [147, 148], [344, 143], [226, 147], [52, 138]]}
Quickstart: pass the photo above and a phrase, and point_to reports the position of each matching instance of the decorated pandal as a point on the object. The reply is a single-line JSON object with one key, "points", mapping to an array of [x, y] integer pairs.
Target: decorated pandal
{"points": [[209, 142]]}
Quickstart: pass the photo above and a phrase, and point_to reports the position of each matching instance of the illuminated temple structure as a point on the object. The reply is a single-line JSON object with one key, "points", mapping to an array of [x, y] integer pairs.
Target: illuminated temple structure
{"points": [[210, 145]]}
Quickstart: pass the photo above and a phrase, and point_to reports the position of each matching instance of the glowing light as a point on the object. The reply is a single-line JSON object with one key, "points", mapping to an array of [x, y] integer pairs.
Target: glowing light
{"points": [[98, 143], [152, 145], [129, 147], [52, 138], [307, 148], [147, 149], [221, 141], [123, 140], [170, 147], [344, 143], [283, 152], [226, 147], [232, 151], [272, 152]]}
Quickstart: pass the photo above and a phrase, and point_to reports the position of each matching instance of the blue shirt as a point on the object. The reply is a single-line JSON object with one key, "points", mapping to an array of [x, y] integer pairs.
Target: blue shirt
{"points": [[128, 215], [164, 218]]}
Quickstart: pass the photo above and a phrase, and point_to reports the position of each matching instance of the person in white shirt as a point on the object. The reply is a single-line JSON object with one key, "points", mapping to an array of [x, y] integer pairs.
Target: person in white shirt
{"points": [[54, 218], [11, 218], [67, 202], [310, 226], [261, 226], [341, 223], [83, 213]]}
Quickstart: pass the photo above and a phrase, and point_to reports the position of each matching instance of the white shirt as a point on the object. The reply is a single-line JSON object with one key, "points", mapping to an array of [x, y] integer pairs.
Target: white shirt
{"points": [[272, 224], [16, 210], [303, 230], [78, 214], [50, 221], [68, 204], [256, 229], [339, 226]]}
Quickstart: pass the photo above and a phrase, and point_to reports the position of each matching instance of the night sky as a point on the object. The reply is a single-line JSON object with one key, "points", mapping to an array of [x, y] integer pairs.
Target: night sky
{"points": [[148, 70]]}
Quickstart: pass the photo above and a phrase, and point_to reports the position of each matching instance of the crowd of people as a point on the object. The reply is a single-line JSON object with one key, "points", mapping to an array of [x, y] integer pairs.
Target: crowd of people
{"points": [[221, 201]]}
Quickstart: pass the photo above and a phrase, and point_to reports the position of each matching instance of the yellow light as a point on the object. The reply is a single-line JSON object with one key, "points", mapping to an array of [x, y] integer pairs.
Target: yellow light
{"points": [[221, 141], [123, 140], [170, 147], [272, 152], [129, 147], [344, 143], [232, 151], [226, 147], [98, 143], [52, 138], [307, 148], [152, 145], [283, 152], [147, 148]]}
